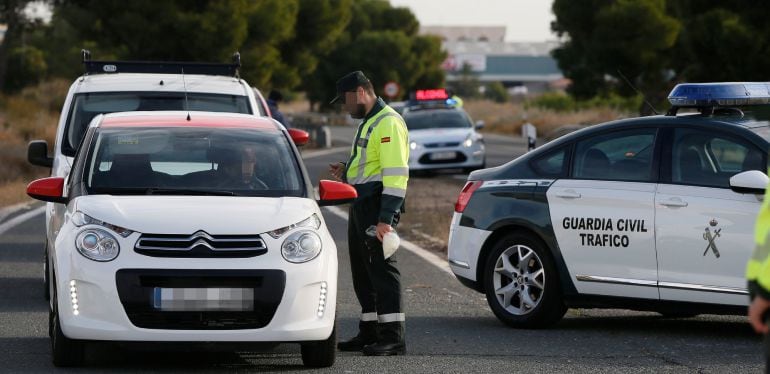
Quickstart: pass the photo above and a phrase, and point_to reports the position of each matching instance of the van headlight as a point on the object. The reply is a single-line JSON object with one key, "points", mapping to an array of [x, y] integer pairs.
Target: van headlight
{"points": [[97, 245], [301, 246]]}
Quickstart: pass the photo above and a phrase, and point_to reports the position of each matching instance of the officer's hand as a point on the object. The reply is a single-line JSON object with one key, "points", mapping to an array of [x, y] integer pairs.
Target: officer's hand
{"points": [[336, 171], [757, 311], [382, 229]]}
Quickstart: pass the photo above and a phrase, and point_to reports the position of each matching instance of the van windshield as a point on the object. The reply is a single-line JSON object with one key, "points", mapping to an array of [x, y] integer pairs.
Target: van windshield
{"points": [[86, 106]]}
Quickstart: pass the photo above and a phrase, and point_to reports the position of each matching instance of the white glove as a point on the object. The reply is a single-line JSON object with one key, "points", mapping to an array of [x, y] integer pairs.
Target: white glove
{"points": [[390, 243]]}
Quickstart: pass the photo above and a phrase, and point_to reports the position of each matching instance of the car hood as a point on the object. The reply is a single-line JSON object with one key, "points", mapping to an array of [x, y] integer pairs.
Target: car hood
{"points": [[221, 215], [439, 135]]}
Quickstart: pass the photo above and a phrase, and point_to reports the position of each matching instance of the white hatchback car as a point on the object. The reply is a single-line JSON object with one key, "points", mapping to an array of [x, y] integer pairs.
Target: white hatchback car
{"points": [[190, 227]]}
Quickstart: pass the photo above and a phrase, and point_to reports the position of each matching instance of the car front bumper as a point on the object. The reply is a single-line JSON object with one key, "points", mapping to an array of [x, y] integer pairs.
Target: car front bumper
{"points": [[422, 158], [115, 298]]}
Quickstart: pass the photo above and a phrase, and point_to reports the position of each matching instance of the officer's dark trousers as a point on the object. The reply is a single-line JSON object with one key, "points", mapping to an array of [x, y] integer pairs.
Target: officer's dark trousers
{"points": [[377, 282]]}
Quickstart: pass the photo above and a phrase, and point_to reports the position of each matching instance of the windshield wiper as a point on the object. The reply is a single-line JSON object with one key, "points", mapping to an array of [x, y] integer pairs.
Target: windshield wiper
{"points": [[178, 191]]}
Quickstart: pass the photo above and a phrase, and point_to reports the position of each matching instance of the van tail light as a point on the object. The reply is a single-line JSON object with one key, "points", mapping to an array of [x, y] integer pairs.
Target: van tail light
{"points": [[465, 195]]}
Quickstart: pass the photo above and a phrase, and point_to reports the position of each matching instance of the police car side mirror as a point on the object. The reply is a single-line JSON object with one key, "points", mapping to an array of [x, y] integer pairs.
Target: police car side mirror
{"points": [[335, 193], [37, 153], [752, 181], [479, 124], [47, 189]]}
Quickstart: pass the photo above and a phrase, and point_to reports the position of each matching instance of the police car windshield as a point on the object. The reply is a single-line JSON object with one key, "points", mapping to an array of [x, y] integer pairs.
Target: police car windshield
{"points": [[86, 106], [184, 161], [436, 118]]}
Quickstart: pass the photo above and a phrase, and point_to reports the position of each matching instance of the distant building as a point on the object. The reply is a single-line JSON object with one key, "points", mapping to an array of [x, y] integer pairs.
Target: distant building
{"points": [[521, 67]]}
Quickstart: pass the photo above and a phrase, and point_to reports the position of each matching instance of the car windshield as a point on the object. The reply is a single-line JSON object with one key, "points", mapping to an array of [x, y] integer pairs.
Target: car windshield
{"points": [[191, 161], [86, 106], [438, 118]]}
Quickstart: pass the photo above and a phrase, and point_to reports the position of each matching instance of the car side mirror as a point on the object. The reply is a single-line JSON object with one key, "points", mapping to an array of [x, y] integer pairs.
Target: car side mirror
{"points": [[752, 181], [299, 137], [37, 153], [47, 189], [335, 193], [479, 124]]}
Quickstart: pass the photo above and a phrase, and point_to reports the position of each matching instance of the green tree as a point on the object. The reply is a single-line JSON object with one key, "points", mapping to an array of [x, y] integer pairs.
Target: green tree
{"points": [[496, 92], [383, 42], [18, 61], [610, 38]]}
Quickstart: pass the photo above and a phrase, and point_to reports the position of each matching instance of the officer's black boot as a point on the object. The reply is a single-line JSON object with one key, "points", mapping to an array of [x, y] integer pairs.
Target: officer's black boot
{"points": [[367, 334], [391, 341]]}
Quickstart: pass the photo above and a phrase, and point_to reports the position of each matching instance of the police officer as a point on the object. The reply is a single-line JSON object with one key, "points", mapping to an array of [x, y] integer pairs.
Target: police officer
{"points": [[458, 102], [758, 275], [378, 169]]}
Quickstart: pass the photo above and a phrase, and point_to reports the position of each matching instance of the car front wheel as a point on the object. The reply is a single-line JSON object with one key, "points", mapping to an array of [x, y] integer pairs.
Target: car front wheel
{"points": [[521, 284], [322, 353], [65, 352]]}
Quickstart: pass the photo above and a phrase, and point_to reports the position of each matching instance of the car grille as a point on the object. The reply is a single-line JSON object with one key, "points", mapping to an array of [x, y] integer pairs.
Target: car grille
{"points": [[200, 245], [442, 145], [136, 290]]}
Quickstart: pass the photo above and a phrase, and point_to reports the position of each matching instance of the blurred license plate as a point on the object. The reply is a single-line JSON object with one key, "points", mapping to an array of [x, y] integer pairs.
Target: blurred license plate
{"points": [[442, 156], [203, 299]]}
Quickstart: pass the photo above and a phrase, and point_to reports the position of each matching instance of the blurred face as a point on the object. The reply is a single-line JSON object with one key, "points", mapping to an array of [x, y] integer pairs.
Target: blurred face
{"points": [[249, 159], [353, 103]]}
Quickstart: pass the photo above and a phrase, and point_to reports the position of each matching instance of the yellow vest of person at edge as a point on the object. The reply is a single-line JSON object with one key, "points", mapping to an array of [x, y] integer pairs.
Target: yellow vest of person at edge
{"points": [[758, 267]]}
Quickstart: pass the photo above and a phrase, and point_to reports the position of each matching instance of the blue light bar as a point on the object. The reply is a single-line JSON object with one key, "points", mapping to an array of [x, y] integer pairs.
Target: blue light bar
{"points": [[720, 94]]}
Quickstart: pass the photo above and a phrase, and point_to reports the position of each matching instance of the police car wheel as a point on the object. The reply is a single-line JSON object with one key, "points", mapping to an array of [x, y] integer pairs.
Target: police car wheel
{"points": [[521, 284]]}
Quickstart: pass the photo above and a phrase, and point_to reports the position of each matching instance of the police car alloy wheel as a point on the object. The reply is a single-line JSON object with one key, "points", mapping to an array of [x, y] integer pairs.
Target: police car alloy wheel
{"points": [[521, 283]]}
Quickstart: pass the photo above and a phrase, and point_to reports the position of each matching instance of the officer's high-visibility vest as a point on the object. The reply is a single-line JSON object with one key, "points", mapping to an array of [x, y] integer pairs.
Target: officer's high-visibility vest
{"points": [[758, 267], [458, 101], [380, 157]]}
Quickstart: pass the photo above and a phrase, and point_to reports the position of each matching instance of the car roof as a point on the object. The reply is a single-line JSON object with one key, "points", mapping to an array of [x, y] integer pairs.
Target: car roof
{"points": [[180, 119], [150, 82]]}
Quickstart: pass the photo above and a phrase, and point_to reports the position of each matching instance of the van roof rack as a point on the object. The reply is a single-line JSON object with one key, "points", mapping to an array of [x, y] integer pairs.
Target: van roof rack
{"points": [[161, 67]]}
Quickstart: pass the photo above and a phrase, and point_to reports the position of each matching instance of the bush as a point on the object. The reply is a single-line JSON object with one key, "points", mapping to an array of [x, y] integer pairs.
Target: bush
{"points": [[26, 66], [561, 102], [496, 92]]}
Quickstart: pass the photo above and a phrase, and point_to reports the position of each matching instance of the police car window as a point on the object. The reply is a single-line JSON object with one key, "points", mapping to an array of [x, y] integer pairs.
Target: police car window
{"points": [[551, 164], [440, 118], [707, 159], [621, 155], [87, 106]]}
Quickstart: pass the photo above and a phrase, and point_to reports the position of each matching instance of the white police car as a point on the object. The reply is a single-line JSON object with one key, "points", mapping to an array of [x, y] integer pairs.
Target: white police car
{"points": [[175, 228], [653, 213], [440, 135]]}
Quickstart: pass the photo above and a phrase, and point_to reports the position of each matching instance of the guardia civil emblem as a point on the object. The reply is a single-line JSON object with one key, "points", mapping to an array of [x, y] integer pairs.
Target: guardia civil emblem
{"points": [[711, 237]]}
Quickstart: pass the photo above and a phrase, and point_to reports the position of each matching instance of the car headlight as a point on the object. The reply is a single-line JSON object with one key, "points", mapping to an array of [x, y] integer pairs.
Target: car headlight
{"points": [[468, 141], [97, 245], [311, 222], [301, 246], [81, 219], [413, 145]]}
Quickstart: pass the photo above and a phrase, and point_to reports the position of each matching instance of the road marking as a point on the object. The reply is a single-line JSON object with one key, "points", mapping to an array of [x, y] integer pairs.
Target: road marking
{"points": [[11, 223], [432, 259], [313, 154]]}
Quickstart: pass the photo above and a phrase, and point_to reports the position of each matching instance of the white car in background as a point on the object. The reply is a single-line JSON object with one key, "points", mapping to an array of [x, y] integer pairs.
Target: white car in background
{"points": [[177, 229]]}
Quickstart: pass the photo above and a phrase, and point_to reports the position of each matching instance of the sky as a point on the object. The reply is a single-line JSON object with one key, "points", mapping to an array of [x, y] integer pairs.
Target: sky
{"points": [[525, 20]]}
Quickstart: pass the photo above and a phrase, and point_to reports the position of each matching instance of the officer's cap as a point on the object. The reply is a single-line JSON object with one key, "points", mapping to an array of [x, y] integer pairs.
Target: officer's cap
{"points": [[349, 82]]}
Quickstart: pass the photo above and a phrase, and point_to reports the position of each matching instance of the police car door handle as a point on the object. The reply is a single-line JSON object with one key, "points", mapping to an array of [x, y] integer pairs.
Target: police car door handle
{"points": [[568, 194], [674, 202]]}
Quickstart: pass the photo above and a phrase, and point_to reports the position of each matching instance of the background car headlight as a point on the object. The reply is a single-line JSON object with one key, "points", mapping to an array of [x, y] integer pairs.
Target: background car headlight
{"points": [[301, 246], [413, 145], [468, 141], [97, 245]]}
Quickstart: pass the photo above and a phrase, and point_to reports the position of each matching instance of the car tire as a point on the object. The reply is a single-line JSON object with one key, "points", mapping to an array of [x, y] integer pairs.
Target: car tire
{"points": [[65, 352], [525, 291], [320, 354]]}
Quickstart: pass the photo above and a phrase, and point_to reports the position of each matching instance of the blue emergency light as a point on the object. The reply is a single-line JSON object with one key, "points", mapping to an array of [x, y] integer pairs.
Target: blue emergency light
{"points": [[720, 94]]}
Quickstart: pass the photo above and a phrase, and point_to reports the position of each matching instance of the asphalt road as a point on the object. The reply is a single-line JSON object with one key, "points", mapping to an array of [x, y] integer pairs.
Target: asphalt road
{"points": [[449, 328]]}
